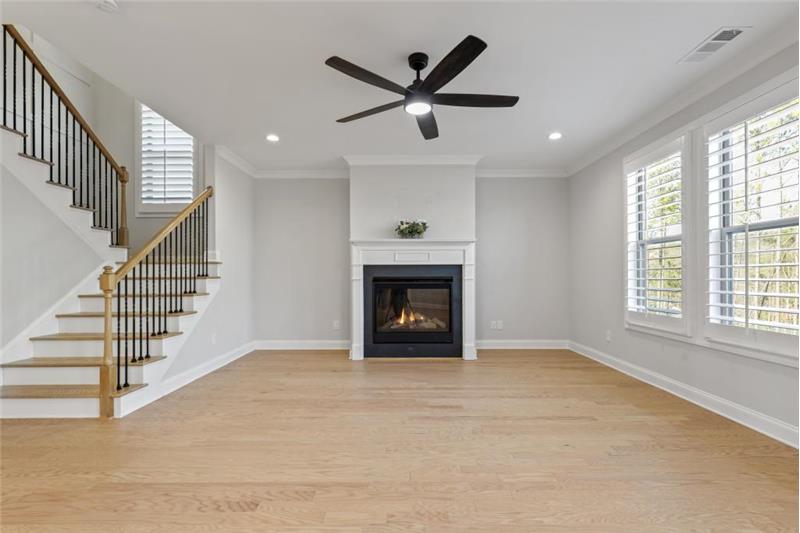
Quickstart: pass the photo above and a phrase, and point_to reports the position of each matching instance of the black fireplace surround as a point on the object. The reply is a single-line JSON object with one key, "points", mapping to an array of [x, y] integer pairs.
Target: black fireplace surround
{"points": [[412, 311]]}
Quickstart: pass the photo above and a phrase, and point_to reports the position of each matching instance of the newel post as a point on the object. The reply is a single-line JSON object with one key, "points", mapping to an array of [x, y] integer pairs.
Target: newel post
{"points": [[123, 208], [107, 284]]}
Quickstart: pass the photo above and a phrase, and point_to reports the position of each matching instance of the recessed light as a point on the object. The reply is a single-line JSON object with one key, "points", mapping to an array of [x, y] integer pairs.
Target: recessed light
{"points": [[109, 6], [556, 135], [273, 138]]}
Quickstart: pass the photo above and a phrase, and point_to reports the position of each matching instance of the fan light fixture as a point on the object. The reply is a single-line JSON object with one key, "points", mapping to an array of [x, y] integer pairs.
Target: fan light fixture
{"points": [[417, 106], [556, 135], [273, 138]]}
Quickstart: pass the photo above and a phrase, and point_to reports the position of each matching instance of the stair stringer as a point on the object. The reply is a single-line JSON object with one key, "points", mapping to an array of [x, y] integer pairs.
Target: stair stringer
{"points": [[34, 175], [157, 386]]}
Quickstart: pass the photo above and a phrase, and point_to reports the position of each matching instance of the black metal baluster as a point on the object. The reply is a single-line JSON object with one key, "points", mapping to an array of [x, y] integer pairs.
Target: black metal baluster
{"points": [[80, 167], [126, 330], [115, 178], [24, 104], [14, 86], [58, 143], [194, 250], [41, 114], [74, 196], [205, 219], [51, 159], [33, 110], [95, 187], [140, 316], [119, 334], [161, 277], [5, 78], [182, 265], [147, 308]]}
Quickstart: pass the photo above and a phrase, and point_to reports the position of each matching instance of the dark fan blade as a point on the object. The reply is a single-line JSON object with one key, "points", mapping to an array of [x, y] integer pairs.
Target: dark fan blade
{"points": [[366, 76], [373, 111], [453, 63], [427, 125], [474, 100]]}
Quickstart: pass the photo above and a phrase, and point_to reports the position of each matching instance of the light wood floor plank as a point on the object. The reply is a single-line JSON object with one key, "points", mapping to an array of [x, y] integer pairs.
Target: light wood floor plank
{"points": [[518, 441]]}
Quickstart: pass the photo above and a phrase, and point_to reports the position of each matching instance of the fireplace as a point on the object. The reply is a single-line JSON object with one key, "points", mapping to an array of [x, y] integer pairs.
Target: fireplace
{"points": [[412, 311]]}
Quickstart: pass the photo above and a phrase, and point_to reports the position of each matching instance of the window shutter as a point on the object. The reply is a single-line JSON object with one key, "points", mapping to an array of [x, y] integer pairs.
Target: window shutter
{"points": [[654, 238], [167, 161], [753, 222]]}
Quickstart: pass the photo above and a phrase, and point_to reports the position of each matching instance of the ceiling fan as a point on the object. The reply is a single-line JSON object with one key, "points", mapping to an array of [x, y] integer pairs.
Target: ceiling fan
{"points": [[420, 97]]}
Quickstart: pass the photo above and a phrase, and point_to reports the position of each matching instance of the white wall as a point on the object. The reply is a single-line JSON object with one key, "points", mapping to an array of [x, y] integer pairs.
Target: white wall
{"points": [[35, 242], [444, 195], [596, 259], [227, 323], [522, 256], [302, 259]]}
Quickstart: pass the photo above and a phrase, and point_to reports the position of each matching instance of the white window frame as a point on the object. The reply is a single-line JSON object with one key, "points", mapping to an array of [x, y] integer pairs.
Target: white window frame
{"points": [[766, 342], [649, 322], [778, 348], [150, 210]]}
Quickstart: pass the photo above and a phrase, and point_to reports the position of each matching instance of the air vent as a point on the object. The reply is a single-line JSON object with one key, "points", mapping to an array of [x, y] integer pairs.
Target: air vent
{"points": [[717, 40]]}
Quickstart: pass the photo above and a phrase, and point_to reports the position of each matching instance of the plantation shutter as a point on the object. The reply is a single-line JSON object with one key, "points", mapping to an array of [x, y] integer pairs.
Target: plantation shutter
{"points": [[654, 237], [167, 161], [753, 222]]}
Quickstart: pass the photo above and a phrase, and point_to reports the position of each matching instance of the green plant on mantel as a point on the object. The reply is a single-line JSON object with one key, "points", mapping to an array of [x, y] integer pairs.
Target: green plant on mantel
{"points": [[411, 229]]}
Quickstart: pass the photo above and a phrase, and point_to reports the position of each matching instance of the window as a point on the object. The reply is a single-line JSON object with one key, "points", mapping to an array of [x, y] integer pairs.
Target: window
{"points": [[166, 163], [654, 234], [753, 222]]}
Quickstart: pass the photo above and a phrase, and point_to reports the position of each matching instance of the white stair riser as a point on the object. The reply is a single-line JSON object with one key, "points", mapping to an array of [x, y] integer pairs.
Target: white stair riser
{"points": [[81, 375], [95, 324], [173, 270], [49, 408], [158, 286], [95, 305], [91, 348]]}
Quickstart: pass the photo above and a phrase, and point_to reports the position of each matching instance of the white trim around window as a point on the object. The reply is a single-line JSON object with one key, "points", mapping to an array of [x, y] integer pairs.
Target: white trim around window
{"points": [[693, 327], [154, 210]]}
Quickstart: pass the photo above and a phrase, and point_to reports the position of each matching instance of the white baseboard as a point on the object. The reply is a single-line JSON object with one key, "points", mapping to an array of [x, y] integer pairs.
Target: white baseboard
{"points": [[772, 427], [522, 344], [302, 345]]}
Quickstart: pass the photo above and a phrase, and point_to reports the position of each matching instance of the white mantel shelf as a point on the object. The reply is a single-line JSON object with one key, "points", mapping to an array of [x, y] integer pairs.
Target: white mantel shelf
{"points": [[412, 252]]}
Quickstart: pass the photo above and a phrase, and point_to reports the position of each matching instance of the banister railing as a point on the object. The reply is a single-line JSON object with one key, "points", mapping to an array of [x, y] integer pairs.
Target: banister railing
{"points": [[55, 132], [149, 287]]}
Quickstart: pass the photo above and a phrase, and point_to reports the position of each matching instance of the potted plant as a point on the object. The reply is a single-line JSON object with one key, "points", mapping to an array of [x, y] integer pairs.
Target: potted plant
{"points": [[411, 229]]}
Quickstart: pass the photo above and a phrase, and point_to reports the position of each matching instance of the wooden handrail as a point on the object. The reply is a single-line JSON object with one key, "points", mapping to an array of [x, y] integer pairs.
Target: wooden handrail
{"points": [[137, 258], [122, 172], [28, 51]]}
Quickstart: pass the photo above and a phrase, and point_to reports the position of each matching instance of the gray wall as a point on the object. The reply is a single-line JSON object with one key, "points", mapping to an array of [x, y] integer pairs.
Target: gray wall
{"points": [[596, 259], [34, 244], [443, 195], [522, 257], [302, 259], [227, 324]]}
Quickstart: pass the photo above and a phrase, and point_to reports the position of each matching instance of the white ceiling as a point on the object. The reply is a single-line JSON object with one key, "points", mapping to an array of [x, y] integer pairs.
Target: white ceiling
{"points": [[231, 72]]}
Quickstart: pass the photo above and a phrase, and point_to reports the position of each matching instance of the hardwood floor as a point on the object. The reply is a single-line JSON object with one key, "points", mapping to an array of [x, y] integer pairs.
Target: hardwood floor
{"points": [[307, 441]]}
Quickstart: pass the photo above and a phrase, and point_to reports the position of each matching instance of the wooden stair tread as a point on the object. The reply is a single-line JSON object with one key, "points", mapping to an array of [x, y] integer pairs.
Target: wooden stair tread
{"points": [[82, 208], [210, 262], [62, 185], [60, 391], [72, 362], [158, 278], [37, 159], [99, 314], [139, 294], [12, 130], [99, 336]]}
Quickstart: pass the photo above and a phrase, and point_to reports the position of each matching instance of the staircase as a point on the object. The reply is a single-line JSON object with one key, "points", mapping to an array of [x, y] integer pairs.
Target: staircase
{"points": [[115, 338]]}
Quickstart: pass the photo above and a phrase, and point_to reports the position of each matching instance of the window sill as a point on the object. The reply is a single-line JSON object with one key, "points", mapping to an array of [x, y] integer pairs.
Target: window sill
{"points": [[735, 347]]}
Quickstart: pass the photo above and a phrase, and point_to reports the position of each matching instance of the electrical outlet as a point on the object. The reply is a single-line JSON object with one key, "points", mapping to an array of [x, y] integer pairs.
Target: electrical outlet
{"points": [[499, 324], [608, 335], [493, 324], [337, 324]]}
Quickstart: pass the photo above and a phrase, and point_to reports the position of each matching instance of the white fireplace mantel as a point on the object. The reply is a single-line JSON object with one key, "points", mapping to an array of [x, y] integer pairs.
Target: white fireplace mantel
{"points": [[412, 252]]}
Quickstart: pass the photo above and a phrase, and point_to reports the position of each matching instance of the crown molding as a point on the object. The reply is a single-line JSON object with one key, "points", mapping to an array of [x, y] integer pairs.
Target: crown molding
{"points": [[408, 160], [311, 173], [236, 160], [522, 173]]}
